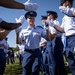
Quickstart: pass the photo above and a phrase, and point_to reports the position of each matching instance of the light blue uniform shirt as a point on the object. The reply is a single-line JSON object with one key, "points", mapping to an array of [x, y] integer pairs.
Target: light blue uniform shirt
{"points": [[2, 42], [6, 45], [32, 36], [68, 24]]}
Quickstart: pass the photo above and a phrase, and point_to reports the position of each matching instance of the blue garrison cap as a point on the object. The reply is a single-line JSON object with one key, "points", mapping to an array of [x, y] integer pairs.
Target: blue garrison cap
{"points": [[55, 15], [30, 14], [43, 17]]}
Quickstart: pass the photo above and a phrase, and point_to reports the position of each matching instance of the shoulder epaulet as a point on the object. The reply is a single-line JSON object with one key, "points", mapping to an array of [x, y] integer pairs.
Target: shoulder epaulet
{"points": [[40, 27]]}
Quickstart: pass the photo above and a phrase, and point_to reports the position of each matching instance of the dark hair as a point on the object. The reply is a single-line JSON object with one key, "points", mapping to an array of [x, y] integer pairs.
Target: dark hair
{"points": [[53, 13], [55, 16], [43, 17], [71, 1]]}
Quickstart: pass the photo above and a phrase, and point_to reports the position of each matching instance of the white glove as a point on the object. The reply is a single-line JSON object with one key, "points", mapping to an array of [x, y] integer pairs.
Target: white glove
{"points": [[50, 22], [18, 30], [20, 20], [30, 6], [56, 22], [66, 10]]}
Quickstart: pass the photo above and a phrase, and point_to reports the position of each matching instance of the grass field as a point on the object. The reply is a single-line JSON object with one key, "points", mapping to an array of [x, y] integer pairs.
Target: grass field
{"points": [[16, 69], [13, 69]]}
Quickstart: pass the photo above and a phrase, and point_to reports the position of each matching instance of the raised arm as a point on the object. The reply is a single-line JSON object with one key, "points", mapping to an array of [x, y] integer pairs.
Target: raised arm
{"points": [[67, 11], [28, 6], [4, 34], [58, 28], [49, 36], [9, 26], [11, 4]]}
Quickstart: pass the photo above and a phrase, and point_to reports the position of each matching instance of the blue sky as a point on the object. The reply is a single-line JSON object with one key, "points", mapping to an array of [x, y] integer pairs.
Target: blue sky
{"points": [[9, 15]]}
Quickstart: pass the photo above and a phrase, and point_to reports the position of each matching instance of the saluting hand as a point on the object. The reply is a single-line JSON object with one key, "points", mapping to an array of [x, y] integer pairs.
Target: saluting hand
{"points": [[20, 20]]}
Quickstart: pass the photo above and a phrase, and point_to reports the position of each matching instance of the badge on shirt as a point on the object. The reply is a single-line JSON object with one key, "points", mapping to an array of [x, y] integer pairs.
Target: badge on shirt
{"points": [[27, 33]]}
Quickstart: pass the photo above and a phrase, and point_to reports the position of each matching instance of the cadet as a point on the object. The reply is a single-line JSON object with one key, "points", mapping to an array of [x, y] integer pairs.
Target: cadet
{"points": [[8, 26], [21, 51], [58, 50], [68, 27], [51, 16], [32, 36], [43, 42], [43, 19], [4, 32], [3, 50], [15, 5], [2, 57]]}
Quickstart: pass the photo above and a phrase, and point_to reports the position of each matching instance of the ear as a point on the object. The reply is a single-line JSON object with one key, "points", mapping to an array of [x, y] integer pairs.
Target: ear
{"points": [[27, 19]]}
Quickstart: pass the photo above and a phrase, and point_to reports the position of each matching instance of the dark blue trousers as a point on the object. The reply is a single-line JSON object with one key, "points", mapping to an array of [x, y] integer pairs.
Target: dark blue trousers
{"points": [[2, 61], [31, 62], [58, 56], [70, 53], [50, 57], [45, 62]]}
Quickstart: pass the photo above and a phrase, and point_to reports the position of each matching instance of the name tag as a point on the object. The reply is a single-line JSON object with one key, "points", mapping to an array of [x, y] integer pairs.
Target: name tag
{"points": [[27, 33]]}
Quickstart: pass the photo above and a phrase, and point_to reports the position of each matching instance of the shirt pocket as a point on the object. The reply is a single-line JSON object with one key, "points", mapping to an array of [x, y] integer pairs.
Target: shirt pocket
{"points": [[36, 34]]}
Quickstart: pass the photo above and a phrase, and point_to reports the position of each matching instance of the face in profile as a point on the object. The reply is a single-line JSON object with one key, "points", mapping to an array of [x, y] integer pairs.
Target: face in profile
{"points": [[50, 17], [43, 21]]}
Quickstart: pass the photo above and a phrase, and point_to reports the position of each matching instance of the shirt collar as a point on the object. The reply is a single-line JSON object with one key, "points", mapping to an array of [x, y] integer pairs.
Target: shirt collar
{"points": [[28, 28]]}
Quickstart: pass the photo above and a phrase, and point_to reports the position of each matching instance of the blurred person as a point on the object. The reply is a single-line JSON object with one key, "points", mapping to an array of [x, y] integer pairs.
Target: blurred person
{"points": [[44, 66], [15, 55], [3, 48], [43, 41], [3, 51], [12, 4], [32, 36], [21, 51], [68, 28], [51, 16], [10, 58], [64, 51], [43, 19], [7, 47], [4, 32], [55, 51]]}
